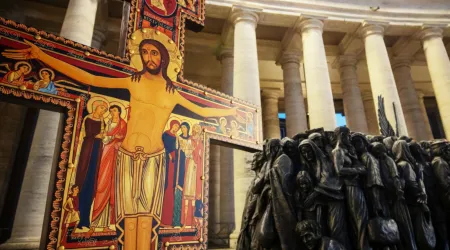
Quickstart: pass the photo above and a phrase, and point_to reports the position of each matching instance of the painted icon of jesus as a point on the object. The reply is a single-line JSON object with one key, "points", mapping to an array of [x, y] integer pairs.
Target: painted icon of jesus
{"points": [[141, 158]]}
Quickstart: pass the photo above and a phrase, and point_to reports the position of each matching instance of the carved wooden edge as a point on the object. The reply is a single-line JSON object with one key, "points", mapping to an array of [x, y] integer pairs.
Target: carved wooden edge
{"points": [[65, 150], [55, 38]]}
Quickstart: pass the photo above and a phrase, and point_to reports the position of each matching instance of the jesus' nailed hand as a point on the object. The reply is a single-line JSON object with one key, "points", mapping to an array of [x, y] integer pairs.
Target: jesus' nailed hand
{"points": [[153, 96]]}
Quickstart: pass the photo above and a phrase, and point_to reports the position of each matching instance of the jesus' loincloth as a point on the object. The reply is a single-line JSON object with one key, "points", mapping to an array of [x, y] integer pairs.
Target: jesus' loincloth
{"points": [[140, 184]]}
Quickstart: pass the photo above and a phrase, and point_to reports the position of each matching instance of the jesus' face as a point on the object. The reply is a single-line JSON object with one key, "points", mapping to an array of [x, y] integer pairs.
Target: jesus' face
{"points": [[151, 57]]}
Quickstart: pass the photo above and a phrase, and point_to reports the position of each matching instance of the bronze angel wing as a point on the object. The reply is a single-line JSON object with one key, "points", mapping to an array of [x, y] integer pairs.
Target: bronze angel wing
{"points": [[385, 127]]}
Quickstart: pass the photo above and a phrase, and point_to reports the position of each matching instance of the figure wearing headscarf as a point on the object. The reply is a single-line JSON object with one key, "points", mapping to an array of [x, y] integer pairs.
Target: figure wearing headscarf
{"points": [[400, 211], [388, 172], [281, 177], [389, 143], [373, 183], [321, 143], [248, 228], [441, 152], [89, 158], [170, 145], [184, 151], [438, 214], [328, 191], [350, 169]]}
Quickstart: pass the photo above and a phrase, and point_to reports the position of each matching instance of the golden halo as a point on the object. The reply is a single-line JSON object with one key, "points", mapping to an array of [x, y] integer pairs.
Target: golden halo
{"points": [[124, 112], [16, 66], [151, 34], [97, 98], [49, 70]]}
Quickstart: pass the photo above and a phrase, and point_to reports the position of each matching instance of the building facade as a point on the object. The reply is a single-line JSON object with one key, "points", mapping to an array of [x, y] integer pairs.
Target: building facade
{"points": [[306, 59]]}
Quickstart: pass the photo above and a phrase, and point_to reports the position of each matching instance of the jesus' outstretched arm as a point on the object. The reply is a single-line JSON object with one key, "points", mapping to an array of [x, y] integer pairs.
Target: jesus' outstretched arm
{"points": [[34, 52], [205, 112]]}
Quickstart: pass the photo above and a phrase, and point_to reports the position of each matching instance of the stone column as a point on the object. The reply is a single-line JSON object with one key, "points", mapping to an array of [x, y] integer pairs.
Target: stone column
{"points": [[79, 21], [320, 97], [294, 103], [381, 77], [214, 189], [271, 122], [101, 25], [371, 115], [353, 103], [246, 87], [30, 213], [439, 67], [423, 110], [409, 100], [226, 199]]}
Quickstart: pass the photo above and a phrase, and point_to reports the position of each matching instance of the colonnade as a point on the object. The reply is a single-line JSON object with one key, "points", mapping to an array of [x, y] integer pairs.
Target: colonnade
{"points": [[389, 77]]}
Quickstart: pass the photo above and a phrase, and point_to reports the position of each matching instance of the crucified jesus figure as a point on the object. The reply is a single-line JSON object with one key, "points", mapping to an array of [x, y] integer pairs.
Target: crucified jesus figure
{"points": [[140, 167]]}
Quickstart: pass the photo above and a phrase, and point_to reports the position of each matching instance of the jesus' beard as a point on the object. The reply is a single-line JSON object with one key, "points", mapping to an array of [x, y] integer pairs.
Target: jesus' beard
{"points": [[154, 71]]}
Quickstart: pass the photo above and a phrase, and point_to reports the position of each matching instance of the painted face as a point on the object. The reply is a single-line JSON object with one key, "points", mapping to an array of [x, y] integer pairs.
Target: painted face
{"points": [[101, 109], [175, 128], [45, 75], [198, 129], [308, 153], [223, 122], [76, 190], [151, 57], [23, 68], [309, 240], [114, 112], [184, 130]]}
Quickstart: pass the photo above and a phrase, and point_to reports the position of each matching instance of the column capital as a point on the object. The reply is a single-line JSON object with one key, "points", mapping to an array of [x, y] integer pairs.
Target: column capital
{"points": [[310, 23], [370, 28], [289, 57], [271, 93], [430, 31], [366, 95], [402, 61], [420, 94], [244, 14], [346, 60], [224, 52]]}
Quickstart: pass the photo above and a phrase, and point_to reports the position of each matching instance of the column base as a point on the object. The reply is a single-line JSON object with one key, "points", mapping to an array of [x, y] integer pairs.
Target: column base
{"points": [[233, 240], [22, 244]]}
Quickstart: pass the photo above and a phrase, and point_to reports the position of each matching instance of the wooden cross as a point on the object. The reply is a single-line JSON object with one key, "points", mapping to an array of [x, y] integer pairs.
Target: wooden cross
{"points": [[144, 192]]}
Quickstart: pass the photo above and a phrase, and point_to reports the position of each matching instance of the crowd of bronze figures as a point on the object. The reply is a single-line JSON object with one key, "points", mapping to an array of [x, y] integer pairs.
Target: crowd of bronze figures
{"points": [[344, 190]]}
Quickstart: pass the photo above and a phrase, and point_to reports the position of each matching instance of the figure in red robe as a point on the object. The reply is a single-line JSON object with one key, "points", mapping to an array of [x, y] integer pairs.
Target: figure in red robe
{"points": [[103, 214], [169, 139]]}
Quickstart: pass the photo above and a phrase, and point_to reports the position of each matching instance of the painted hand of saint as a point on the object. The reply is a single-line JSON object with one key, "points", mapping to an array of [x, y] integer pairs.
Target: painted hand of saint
{"points": [[32, 52]]}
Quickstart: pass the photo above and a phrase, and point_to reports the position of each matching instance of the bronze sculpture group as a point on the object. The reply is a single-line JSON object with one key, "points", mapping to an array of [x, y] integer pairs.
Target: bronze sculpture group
{"points": [[344, 190]]}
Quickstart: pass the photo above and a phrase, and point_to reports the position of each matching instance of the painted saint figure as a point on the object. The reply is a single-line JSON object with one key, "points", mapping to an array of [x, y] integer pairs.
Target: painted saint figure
{"points": [[71, 207], [89, 158], [170, 140], [46, 83], [103, 214], [141, 157], [184, 160], [192, 184], [17, 76]]}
